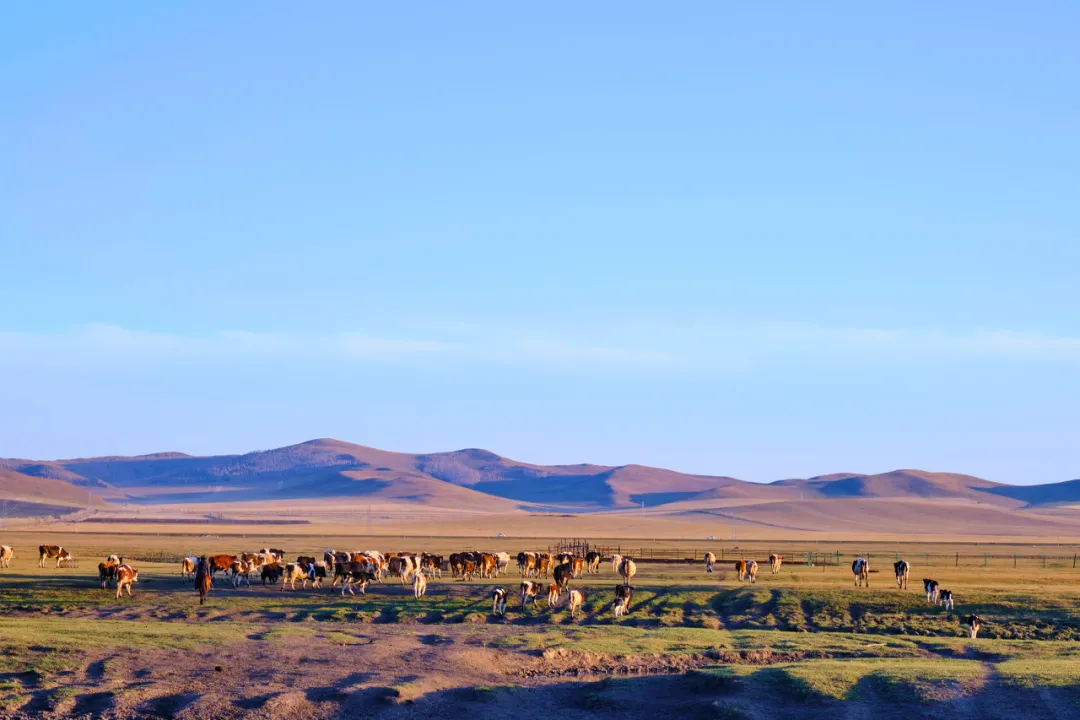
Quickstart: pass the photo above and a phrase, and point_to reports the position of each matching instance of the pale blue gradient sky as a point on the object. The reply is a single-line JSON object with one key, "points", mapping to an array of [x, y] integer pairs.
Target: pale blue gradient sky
{"points": [[717, 238]]}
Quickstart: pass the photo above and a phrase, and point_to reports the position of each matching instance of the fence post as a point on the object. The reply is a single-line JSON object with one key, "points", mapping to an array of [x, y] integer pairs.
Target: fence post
{"points": [[1074, 561], [957, 559], [1014, 561], [838, 557], [984, 559], [927, 559], [1044, 559]]}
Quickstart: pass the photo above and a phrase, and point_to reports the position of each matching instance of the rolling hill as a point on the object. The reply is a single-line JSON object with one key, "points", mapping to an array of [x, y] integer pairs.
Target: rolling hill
{"points": [[333, 473]]}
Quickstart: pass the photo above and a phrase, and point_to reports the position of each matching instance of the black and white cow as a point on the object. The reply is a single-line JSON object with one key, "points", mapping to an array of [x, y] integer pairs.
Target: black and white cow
{"points": [[861, 570], [498, 601], [945, 598], [931, 588]]}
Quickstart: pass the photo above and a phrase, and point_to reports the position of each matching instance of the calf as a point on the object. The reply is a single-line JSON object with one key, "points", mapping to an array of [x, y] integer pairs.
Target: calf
{"points": [[592, 561], [775, 561], [50, 552], [126, 576], [577, 599], [623, 595], [710, 560], [628, 569], [553, 595], [860, 568], [751, 570], [931, 588], [529, 590], [902, 570], [945, 597], [271, 572], [7, 554], [973, 622], [498, 601], [419, 585]]}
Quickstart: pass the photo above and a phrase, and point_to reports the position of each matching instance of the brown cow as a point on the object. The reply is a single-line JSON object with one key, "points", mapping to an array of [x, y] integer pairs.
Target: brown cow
{"points": [[221, 563], [562, 575], [775, 561], [52, 551], [271, 572], [577, 565], [204, 578], [468, 570], [553, 595], [107, 571], [628, 569], [543, 565], [126, 576], [740, 569], [487, 565], [187, 567], [7, 554], [592, 561]]}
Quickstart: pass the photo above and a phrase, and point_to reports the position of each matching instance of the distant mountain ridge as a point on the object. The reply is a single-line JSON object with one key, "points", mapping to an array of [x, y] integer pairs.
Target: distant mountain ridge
{"points": [[327, 468]]}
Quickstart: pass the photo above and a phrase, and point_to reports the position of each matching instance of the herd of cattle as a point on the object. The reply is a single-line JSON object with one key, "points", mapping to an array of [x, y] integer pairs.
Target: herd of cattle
{"points": [[356, 570]]}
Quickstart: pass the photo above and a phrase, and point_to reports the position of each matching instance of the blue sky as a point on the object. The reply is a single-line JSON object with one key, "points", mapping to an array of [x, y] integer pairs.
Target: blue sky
{"points": [[718, 238]]}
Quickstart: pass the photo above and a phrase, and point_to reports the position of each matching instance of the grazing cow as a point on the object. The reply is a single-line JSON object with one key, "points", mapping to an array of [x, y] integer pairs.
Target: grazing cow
{"points": [[592, 561], [296, 571], [902, 570], [974, 622], [623, 595], [419, 585], [204, 578], [562, 575], [577, 565], [502, 561], [860, 568], [577, 599], [946, 599], [775, 561], [931, 588], [553, 595], [187, 567], [740, 569], [529, 590], [710, 560], [628, 569], [751, 570], [126, 576], [50, 552], [221, 563], [616, 560], [498, 601], [271, 572], [107, 571], [7, 554]]}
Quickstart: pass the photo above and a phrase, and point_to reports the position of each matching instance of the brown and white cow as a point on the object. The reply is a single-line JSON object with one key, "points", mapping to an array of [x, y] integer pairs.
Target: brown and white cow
{"points": [[487, 565], [553, 595], [108, 570], [973, 622], [751, 570], [592, 562], [577, 565], [902, 571], [52, 551], [530, 589], [241, 572], [527, 563], [740, 569], [221, 563], [775, 561], [577, 599], [710, 560], [544, 563], [126, 576], [860, 568], [187, 567], [623, 595], [7, 554], [498, 601], [628, 569]]}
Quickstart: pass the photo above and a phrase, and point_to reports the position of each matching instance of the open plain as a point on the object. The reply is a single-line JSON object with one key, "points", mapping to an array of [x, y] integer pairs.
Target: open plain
{"points": [[801, 643]]}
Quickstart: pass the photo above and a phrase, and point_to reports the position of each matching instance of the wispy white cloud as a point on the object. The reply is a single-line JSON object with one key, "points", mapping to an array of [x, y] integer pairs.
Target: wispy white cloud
{"points": [[701, 346]]}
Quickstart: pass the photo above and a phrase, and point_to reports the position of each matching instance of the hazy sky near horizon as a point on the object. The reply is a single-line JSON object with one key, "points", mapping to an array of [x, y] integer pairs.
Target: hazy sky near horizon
{"points": [[719, 237]]}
